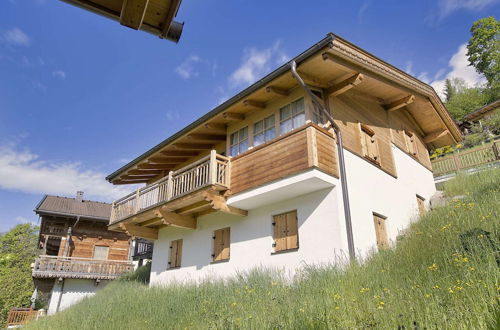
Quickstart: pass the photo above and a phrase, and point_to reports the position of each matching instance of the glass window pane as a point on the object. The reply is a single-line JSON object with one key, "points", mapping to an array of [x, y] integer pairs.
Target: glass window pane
{"points": [[269, 122], [234, 138], [286, 126], [233, 151], [243, 146], [258, 139], [285, 113], [299, 120], [243, 133], [258, 127], [269, 134], [298, 106]]}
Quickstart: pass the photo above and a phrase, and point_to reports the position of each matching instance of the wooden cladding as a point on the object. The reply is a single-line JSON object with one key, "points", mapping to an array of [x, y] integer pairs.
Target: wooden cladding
{"points": [[222, 241], [381, 232], [291, 153], [175, 254], [286, 231], [84, 246]]}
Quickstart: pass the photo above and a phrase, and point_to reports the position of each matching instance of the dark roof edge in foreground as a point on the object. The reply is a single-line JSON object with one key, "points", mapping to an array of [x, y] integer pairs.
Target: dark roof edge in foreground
{"points": [[260, 83]]}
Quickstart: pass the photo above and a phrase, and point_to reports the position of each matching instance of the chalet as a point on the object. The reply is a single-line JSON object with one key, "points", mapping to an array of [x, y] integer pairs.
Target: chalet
{"points": [[79, 254], [477, 116], [324, 159]]}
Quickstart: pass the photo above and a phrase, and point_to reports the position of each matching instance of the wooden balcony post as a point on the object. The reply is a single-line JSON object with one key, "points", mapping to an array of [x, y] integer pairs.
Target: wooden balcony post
{"points": [[170, 183], [113, 213], [137, 204], [213, 167]]}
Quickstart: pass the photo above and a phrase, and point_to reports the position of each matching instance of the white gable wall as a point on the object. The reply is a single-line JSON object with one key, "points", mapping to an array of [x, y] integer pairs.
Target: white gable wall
{"points": [[73, 290]]}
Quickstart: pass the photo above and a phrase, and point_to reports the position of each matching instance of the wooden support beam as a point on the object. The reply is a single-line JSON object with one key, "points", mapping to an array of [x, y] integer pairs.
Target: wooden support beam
{"points": [[207, 137], [136, 231], [132, 13], [254, 104], [311, 80], [193, 146], [157, 166], [177, 220], [277, 91], [431, 137], [177, 153], [167, 160], [233, 116], [219, 203], [398, 104], [216, 128], [172, 10], [345, 85]]}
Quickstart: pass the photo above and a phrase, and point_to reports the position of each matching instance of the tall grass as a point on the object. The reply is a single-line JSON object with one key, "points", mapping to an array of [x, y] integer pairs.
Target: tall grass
{"points": [[427, 281]]}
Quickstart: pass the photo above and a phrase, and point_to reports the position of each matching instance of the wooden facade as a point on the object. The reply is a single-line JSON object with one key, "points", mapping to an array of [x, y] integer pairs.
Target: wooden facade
{"points": [[273, 130]]}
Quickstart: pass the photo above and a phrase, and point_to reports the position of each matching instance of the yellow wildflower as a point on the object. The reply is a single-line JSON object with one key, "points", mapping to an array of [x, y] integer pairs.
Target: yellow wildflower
{"points": [[432, 267]]}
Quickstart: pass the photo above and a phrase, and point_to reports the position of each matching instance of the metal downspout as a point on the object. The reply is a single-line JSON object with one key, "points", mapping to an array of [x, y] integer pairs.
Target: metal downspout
{"points": [[343, 178]]}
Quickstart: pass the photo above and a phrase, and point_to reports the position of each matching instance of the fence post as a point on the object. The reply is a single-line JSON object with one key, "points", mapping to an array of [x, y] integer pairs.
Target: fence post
{"points": [[457, 161], [169, 185], [496, 150], [213, 167]]}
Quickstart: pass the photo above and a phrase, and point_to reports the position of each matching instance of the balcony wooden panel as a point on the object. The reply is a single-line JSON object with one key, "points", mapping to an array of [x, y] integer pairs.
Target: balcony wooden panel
{"points": [[292, 153], [85, 268]]}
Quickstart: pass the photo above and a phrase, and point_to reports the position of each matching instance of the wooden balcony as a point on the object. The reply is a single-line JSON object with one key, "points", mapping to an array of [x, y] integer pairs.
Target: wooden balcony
{"points": [[85, 268], [204, 186], [18, 317]]}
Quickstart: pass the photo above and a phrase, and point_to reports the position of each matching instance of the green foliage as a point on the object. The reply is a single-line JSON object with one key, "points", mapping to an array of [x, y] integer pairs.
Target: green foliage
{"points": [[484, 48], [492, 124], [428, 281], [17, 251], [466, 101], [140, 275], [453, 87]]}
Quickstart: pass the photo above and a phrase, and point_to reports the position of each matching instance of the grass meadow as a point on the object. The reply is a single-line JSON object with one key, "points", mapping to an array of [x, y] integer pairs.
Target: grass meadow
{"points": [[428, 281]]}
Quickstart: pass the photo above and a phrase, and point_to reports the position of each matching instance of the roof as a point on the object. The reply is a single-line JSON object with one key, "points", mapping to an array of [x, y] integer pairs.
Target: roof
{"points": [[71, 207], [152, 16], [479, 113], [345, 51]]}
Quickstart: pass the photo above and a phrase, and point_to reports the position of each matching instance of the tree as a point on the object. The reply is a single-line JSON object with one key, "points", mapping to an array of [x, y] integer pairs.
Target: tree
{"points": [[18, 249], [453, 87], [465, 102], [484, 48]]}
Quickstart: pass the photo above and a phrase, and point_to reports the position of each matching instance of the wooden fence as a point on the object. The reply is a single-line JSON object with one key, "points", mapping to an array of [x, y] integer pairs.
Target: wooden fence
{"points": [[20, 316], [467, 159]]}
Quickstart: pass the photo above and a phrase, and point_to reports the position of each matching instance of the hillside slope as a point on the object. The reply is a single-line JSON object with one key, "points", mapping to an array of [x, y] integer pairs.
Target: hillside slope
{"points": [[427, 281]]}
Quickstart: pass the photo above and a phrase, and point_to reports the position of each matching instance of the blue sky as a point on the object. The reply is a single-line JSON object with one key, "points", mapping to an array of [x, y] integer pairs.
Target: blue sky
{"points": [[81, 95]]}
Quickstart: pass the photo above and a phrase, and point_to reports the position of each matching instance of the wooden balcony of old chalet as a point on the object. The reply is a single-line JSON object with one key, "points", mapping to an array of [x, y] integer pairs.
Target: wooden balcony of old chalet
{"points": [[204, 186], [81, 268]]}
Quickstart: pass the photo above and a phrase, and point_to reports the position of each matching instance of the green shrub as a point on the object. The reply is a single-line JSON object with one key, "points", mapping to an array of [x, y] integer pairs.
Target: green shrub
{"points": [[140, 275]]}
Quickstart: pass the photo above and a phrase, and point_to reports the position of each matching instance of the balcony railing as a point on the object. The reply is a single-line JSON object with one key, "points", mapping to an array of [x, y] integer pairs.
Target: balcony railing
{"points": [[210, 170], [71, 267], [20, 316]]}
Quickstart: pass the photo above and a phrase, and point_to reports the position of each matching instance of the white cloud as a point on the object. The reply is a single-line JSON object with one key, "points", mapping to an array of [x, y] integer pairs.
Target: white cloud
{"points": [[460, 68], [24, 171], [173, 115], [447, 7], [256, 63], [16, 37], [59, 74], [188, 68], [362, 10]]}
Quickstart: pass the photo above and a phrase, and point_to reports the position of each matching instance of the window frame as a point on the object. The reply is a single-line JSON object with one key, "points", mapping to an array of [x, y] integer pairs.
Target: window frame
{"points": [[292, 116], [291, 223], [264, 130], [101, 246], [240, 141]]}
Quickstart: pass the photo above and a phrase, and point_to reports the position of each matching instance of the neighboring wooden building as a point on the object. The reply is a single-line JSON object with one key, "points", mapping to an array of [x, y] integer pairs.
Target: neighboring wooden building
{"points": [[480, 114], [261, 174], [79, 254]]}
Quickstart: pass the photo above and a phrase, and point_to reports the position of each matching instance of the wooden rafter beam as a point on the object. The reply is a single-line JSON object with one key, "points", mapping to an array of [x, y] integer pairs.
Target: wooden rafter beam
{"points": [[137, 231], [277, 91], [167, 160], [345, 85], [145, 171], [431, 137], [233, 116], [207, 137], [177, 153], [129, 181], [254, 104], [219, 203], [216, 128], [174, 5], [177, 220], [398, 104], [311, 80], [156, 166], [193, 146], [132, 13], [137, 177]]}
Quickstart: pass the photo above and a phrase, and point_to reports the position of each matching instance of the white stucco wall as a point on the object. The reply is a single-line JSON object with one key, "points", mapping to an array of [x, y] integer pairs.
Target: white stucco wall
{"points": [[322, 233], [72, 292]]}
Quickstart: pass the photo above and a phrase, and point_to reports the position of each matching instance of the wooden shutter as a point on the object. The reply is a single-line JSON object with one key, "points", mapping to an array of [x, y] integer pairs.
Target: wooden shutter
{"points": [[421, 205], [369, 144], [175, 254], [222, 242], [286, 234], [411, 143], [101, 252], [380, 232]]}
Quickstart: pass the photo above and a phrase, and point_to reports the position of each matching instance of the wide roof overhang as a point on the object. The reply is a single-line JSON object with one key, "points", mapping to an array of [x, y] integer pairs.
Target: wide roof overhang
{"points": [[333, 64]]}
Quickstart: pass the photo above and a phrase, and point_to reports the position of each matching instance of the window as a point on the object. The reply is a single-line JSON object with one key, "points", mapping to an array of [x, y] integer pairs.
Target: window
{"points": [[380, 231], [369, 144], [222, 241], [263, 131], [292, 116], [101, 252], [238, 142], [175, 254], [421, 205], [317, 115], [286, 233], [411, 143]]}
